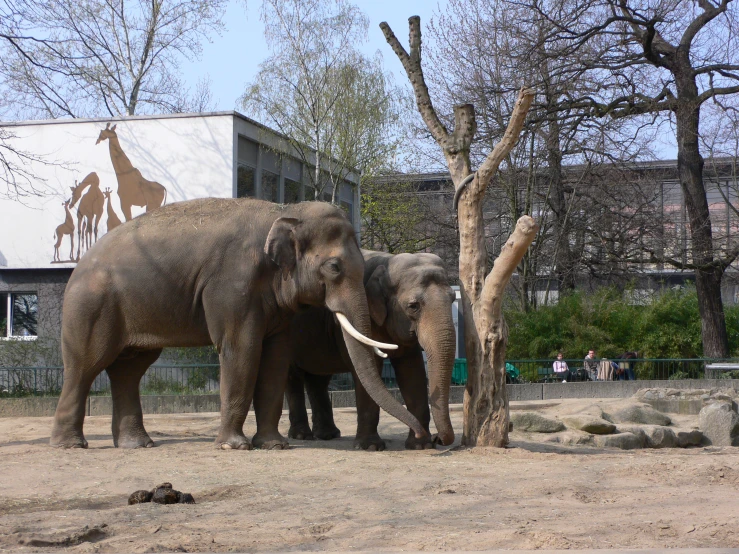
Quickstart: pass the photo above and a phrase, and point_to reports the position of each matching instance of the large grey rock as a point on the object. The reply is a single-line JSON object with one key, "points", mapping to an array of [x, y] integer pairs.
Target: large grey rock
{"points": [[589, 424], [536, 423], [639, 413], [624, 441], [660, 437], [571, 438], [689, 437], [719, 422]]}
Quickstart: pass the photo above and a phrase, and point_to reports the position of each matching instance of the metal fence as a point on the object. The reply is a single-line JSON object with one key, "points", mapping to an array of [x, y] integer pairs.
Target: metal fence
{"points": [[159, 379], [204, 378], [532, 371]]}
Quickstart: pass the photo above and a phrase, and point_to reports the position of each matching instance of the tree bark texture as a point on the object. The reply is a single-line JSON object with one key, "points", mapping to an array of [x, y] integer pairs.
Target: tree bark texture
{"points": [[709, 271], [486, 402]]}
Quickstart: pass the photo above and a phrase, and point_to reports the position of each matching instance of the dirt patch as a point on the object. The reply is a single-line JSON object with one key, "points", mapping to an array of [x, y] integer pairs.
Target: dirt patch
{"points": [[328, 496]]}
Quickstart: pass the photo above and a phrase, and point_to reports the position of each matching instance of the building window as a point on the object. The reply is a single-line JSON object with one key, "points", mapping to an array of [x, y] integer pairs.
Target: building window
{"points": [[270, 186], [292, 191], [18, 315], [349, 209], [245, 181]]}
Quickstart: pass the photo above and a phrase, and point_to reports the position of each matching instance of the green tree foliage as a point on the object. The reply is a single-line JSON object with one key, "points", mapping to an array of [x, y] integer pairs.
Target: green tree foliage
{"points": [[394, 219], [338, 108], [668, 326]]}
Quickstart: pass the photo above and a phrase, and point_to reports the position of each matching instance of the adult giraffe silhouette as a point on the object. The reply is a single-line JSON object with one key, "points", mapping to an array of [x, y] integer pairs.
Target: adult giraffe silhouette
{"points": [[133, 188], [113, 219], [66, 228], [89, 211]]}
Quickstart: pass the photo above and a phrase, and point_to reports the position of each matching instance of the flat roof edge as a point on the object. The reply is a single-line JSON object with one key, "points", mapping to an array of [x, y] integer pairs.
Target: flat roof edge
{"points": [[63, 121]]}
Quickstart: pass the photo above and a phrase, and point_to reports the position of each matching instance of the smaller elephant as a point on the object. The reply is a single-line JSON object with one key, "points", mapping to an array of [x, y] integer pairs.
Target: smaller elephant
{"points": [[410, 303]]}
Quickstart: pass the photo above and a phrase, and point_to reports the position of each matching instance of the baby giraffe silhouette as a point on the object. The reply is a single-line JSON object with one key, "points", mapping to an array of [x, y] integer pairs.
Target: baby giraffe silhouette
{"points": [[113, 219], [66, 228]]}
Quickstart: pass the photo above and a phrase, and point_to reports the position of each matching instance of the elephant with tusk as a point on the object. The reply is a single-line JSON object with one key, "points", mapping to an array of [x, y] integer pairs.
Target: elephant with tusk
{"points": [[229, 272], [410, 304]]}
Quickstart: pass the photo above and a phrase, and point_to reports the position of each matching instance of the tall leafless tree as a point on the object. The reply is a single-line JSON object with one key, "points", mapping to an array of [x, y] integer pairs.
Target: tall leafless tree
{"points": [[486, 415], [338, 108], [671, 57], [83, 58], [483, 52]]}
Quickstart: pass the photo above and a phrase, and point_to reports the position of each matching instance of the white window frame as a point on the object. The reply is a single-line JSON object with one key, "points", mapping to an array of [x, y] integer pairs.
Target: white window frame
{"points": [[9, 323]]}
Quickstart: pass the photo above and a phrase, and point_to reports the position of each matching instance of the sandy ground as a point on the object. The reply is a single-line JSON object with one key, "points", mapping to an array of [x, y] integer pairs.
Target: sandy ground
{"points": [[327, 496]]}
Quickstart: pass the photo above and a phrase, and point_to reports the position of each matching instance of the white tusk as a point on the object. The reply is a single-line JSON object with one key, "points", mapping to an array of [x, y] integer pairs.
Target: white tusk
{"points": [[361, 338], [379, 352]]}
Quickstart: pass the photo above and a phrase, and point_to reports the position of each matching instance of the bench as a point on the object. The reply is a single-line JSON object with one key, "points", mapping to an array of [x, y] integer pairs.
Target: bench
{"points": [[547, 375]]}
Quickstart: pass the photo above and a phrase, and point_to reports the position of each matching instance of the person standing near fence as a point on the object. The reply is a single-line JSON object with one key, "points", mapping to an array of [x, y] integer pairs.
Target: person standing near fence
{"points": [[560, 368]]}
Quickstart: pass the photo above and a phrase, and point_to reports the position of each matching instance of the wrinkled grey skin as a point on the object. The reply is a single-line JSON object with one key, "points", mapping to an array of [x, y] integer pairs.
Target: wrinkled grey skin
{"points": [[228, 272], [410, 305]]}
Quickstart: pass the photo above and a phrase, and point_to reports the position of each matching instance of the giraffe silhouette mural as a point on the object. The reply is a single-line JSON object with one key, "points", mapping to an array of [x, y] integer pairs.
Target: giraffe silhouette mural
{"points": [[133, 188], [66, 228], [113, 219], [89, 211]]}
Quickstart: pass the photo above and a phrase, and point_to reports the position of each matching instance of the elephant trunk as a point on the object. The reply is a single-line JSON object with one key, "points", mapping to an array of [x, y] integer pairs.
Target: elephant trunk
{"points": [[437, 337], [363, 360]]}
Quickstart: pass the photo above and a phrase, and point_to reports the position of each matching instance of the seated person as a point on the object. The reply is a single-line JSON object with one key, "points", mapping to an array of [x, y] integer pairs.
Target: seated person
{"points": [[625, 371], [561, 370], [591, 365]]}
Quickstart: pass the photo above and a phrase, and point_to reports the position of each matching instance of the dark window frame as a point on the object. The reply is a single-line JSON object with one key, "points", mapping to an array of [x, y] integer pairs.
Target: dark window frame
{"points": [[8, 298]]}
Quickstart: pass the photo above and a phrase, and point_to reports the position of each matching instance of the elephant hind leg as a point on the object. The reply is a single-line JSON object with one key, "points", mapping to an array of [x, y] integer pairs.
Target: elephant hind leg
{"points": [[79, 374], [295, 395], [66, 431], [128, 421], [322, 411], [269, 393]]}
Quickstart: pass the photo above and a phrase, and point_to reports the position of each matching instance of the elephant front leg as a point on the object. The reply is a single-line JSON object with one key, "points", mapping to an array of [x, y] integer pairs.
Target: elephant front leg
{"points": [[368, 418], [410, 373], [295, 394], [324, 427], [270, 392], [239, 368]]}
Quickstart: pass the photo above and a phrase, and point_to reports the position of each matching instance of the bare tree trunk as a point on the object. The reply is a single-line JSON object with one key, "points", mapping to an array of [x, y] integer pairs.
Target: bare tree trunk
{"points": [[486, 401], [709, 271]]}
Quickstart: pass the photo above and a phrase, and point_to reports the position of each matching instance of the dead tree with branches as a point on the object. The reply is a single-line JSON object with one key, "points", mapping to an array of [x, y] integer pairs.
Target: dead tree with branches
{"points": [[486, 402]]}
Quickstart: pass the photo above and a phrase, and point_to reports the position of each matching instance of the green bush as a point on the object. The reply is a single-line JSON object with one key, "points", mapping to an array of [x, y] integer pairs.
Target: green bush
{"points": [[668, 326]]}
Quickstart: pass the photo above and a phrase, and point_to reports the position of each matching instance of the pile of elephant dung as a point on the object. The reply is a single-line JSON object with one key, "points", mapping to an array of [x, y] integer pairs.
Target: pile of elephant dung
{"points": [[324, 495], [161, 494]]}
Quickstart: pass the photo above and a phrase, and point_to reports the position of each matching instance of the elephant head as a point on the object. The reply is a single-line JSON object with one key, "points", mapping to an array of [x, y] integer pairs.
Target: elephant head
{"points": [[320, 264], [410, 300]]}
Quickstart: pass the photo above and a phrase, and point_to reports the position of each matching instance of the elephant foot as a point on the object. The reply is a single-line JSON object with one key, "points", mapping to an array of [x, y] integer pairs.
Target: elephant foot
{"points": [[301, 432], [68, 443], [134, 441], [326, 433], [235, 441], [269, 441], [372, 443], [426, 442], [69, 439]]}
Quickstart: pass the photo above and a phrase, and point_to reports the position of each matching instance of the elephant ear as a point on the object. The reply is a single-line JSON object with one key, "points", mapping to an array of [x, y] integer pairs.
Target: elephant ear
{"points": [[376, 288], [282, 245]]}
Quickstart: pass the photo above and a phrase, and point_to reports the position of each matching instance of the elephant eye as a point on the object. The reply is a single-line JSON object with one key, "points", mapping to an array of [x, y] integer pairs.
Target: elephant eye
{"points": [[414, 305], [332, 267]]}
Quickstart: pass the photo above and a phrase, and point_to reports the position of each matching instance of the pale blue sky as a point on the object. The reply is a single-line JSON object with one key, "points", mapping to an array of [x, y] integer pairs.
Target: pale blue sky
{"points": [[232, 59]]}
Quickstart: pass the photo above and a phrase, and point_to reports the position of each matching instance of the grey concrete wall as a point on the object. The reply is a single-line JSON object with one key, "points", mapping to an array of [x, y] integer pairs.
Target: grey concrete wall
{"points": [[176, 404], [28, 407]]}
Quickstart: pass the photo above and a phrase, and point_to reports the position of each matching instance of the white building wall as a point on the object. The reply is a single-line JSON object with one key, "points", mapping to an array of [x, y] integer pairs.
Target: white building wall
{"points": [[190, 156]]}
